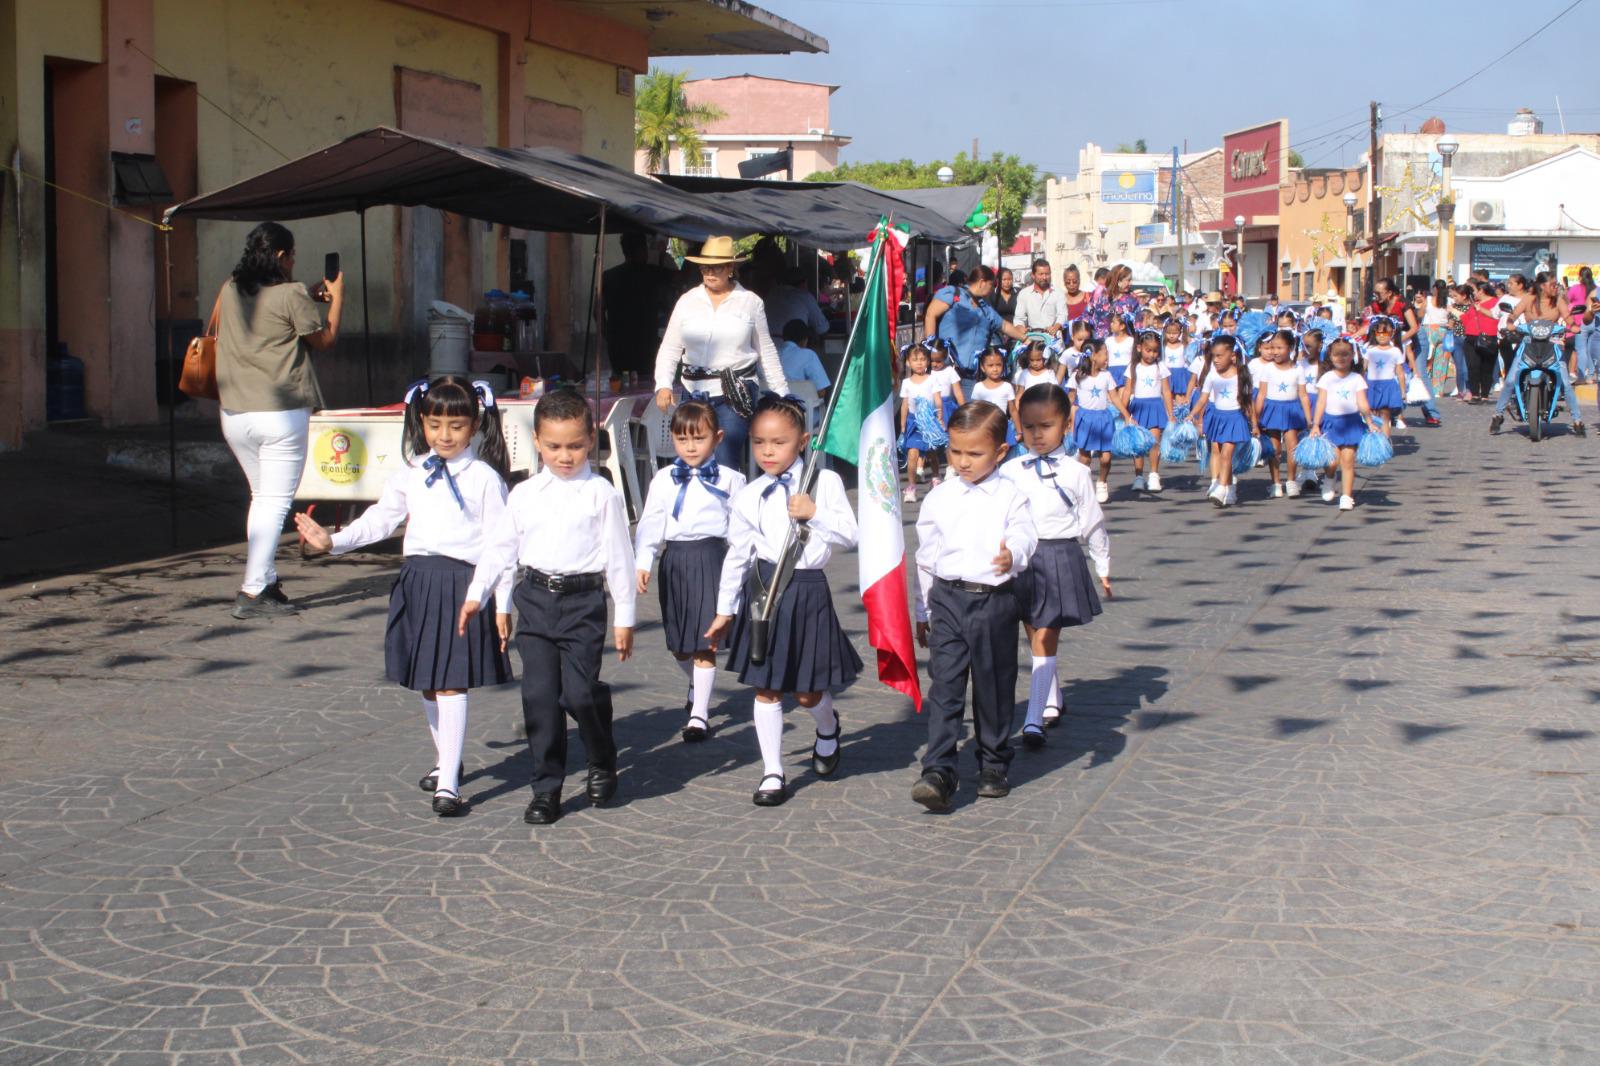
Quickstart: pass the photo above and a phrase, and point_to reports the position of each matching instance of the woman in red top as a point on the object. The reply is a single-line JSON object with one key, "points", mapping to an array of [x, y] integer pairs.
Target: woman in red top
{"points": [[1481, 329]]}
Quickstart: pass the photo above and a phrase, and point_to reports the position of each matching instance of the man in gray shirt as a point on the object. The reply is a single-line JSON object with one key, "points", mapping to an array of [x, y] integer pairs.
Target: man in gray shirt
{"points": [[1040, 307]]}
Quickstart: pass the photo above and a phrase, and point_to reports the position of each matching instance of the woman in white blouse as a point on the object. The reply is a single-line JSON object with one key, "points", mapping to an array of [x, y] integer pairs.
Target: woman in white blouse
{"points": [[718, 337]]}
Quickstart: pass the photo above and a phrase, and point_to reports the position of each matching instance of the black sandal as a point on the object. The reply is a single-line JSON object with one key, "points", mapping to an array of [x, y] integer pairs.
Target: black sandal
{"points": [[772, 797], [697, 730], [825, 765], [1032, 737], [447, 804], [1051, 721]]}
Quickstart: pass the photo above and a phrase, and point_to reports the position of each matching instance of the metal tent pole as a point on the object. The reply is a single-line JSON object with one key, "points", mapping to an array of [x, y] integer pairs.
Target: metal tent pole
{"points": [[172, 395], [594, 302], [366, 309]]}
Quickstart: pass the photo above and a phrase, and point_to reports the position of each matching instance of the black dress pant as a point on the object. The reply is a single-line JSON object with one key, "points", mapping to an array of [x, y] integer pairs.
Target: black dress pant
{"points": [[561, 639], [971, 635], [1481, 354]]}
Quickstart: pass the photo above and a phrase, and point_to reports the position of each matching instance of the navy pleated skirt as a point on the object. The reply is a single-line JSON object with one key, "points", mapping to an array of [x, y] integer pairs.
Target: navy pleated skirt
{"points": [[1283, 414], [1224, 427], [420, 647], [687, 588], [1150, 412], [1056, 591], [809, 651]]}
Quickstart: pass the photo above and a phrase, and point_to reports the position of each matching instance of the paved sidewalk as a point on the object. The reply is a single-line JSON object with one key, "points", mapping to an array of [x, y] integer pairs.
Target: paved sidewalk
{"points": [[1327, 794]]}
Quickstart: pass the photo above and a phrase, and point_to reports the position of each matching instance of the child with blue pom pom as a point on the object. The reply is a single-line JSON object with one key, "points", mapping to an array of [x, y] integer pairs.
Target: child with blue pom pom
{"points": [[1283, 410], [1095, 393], [921, 419], [1148, 397], [1224, 410], [1341, 416]]}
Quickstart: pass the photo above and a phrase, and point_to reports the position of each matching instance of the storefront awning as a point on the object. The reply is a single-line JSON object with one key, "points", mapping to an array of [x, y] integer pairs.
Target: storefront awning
{"points": [[835, 214], [1365, 245]]}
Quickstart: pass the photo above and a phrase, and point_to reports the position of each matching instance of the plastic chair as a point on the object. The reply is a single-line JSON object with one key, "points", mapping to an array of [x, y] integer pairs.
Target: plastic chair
{"points": [[618, 458], [658, 432], [806, 393]]}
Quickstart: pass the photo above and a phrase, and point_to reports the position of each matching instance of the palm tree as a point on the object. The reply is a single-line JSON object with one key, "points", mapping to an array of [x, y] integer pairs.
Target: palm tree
{"points": [[663, 116]]}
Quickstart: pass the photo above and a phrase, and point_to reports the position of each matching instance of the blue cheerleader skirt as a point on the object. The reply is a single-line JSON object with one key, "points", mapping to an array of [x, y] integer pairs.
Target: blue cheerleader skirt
{"points": [[1283, 414], [1119, 374], [1225, 427], [1150, 412], [950, 406], [1385, 396], [1345, 431], [1092, 430], [1180, 381], [913, 438]]}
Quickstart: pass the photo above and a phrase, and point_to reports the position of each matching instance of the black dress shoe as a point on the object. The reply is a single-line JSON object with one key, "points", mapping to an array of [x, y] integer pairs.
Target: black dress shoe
{"points": [[1496, 422], [933, 790], [772, 797], [695, 731], [992, 784], [430, 781], [544, 810], [602, 784], [1032, 737], [825, 765], [1052, 720], [448, 805]]}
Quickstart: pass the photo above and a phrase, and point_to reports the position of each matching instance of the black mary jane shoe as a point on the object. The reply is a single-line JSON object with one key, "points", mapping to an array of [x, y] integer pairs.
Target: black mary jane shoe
{"points": [[1052, 720], [825, 765], [430, 781], [602, 784], [696, 731], [544, 810], [1032, 737], [449, 805], [772, 797]]}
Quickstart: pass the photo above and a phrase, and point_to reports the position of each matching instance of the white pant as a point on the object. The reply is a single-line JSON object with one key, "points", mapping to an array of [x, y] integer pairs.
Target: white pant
{"points": [[271, 449]]}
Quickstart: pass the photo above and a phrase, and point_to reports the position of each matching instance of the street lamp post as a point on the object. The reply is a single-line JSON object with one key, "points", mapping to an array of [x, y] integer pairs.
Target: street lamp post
{"points": [[1102, 253], [1447, 208], [1349, 251], [1238, 255]]}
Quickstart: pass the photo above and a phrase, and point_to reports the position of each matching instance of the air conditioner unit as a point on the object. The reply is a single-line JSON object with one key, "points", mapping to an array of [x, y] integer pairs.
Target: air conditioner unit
{"points": [[1488, 214]]}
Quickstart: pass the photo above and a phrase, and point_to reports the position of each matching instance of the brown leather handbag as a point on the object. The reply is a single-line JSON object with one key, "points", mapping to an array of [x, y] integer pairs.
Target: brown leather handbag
{"points": [[199, 376]]}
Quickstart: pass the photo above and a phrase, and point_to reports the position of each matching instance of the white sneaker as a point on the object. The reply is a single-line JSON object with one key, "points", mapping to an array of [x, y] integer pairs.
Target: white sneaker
{"points": [[1327, 492], [1218, 496], [1277, 490], [910, 495], [1293, 488], [1213, 488], [1102, 491], [1153, 482], [1233, 496], [1497, 385], [1399, 423], [1138, 483], [1347, 503]]}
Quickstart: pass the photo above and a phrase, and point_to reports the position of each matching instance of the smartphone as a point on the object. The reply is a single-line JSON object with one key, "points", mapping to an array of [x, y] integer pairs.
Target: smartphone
{"points": [[330, 266]]}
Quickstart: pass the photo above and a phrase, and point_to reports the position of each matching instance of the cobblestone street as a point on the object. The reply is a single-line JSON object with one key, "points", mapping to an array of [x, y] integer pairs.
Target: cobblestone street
{"points": [[1326, 793]]}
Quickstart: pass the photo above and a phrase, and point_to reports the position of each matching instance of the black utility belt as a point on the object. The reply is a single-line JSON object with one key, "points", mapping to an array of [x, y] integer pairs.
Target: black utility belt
{"points": [[976, 587], [560, 584]]}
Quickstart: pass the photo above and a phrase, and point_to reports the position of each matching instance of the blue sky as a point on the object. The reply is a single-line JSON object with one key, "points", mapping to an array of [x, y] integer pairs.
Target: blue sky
{"points": [[1041, 77]]}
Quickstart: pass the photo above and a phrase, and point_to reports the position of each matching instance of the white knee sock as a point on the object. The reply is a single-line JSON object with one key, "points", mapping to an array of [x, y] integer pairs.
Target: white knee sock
{"points": [[687, 666], [1040, 688], [769, 733], [705, 679], [827, 722], [431, 709], [452, 738]]}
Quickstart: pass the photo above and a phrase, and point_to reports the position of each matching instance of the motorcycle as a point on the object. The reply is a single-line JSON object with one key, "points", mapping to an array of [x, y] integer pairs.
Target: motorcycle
{"points": [[1537, 389]]}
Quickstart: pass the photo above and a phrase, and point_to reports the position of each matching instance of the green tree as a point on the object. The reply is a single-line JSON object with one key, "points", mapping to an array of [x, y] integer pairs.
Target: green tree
{"points": [[1010, 181], [1136, 146], [663, 117], [1296, 159]]}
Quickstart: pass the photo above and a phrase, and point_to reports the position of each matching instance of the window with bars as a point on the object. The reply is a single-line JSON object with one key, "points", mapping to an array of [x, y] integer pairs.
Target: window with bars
{"points": [[704, 167]]}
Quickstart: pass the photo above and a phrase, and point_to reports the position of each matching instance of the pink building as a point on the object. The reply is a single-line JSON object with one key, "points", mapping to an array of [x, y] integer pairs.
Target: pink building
{"points": [[764, 115]]}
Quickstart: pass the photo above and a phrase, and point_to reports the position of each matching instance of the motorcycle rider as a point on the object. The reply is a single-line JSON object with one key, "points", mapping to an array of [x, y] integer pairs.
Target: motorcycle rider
{"points": [[1545, 302]]}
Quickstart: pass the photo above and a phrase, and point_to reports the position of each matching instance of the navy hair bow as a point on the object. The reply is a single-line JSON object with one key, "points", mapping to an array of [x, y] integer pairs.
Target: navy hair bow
{"points": [[683, 473]]}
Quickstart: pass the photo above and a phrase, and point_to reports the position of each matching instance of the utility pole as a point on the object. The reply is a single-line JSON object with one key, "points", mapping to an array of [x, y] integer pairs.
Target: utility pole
{"points": [[1177, 215], [1373, 206]]}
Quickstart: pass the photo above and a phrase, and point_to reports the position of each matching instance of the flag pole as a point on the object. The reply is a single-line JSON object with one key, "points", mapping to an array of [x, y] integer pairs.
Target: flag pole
{"points": [[783, 570]]}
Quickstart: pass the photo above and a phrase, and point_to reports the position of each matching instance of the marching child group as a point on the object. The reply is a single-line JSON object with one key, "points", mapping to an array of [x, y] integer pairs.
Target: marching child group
{"points": [[1005, 540]]}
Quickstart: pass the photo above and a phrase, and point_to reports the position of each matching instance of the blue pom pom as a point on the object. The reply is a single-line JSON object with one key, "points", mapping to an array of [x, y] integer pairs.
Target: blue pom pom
{"points": [[1180, 412], [1315, 453], [1178, 439], [1131, 441], [1202, 456], [926, 422], [1252, 324], [1374, 449], [1268, 449], [1245, 455]]}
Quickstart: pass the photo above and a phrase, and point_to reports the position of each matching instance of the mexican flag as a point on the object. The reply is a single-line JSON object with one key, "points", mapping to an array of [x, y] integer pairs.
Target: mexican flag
{"points": [[862, 432]]}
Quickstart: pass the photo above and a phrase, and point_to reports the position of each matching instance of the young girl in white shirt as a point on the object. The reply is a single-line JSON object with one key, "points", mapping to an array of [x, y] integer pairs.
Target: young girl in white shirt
{"points": [[808, 653], [921, 412], [1148, 397], [994, 388], [448, 494], [1224, 410], [1119, 347], [1341, 416], [1055, 591], [1384, 370], [944, 374], [1175, 357], [685, 525], [1095, 393], [973, 537], [1035, 368], [1080, 335], [1283, 411]]}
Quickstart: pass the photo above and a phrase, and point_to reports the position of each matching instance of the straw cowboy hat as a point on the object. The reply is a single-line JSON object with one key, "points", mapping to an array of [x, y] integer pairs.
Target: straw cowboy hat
{"points": [[716, 251], [1213, 297]]}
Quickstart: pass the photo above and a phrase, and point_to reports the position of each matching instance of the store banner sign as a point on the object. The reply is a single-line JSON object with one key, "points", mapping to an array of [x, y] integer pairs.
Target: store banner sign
{"points": [[1501, 258], [1147, 236], [1128, 187]]}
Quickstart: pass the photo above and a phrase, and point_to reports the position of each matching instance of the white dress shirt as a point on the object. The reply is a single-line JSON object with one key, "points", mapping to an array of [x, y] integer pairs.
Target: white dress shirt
{"points": [[785, 303], [703, 514], [577, 525], [1077, 517], [730, 335], [757, 528], [435, 523], [961, 528], [1039, 310]]}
